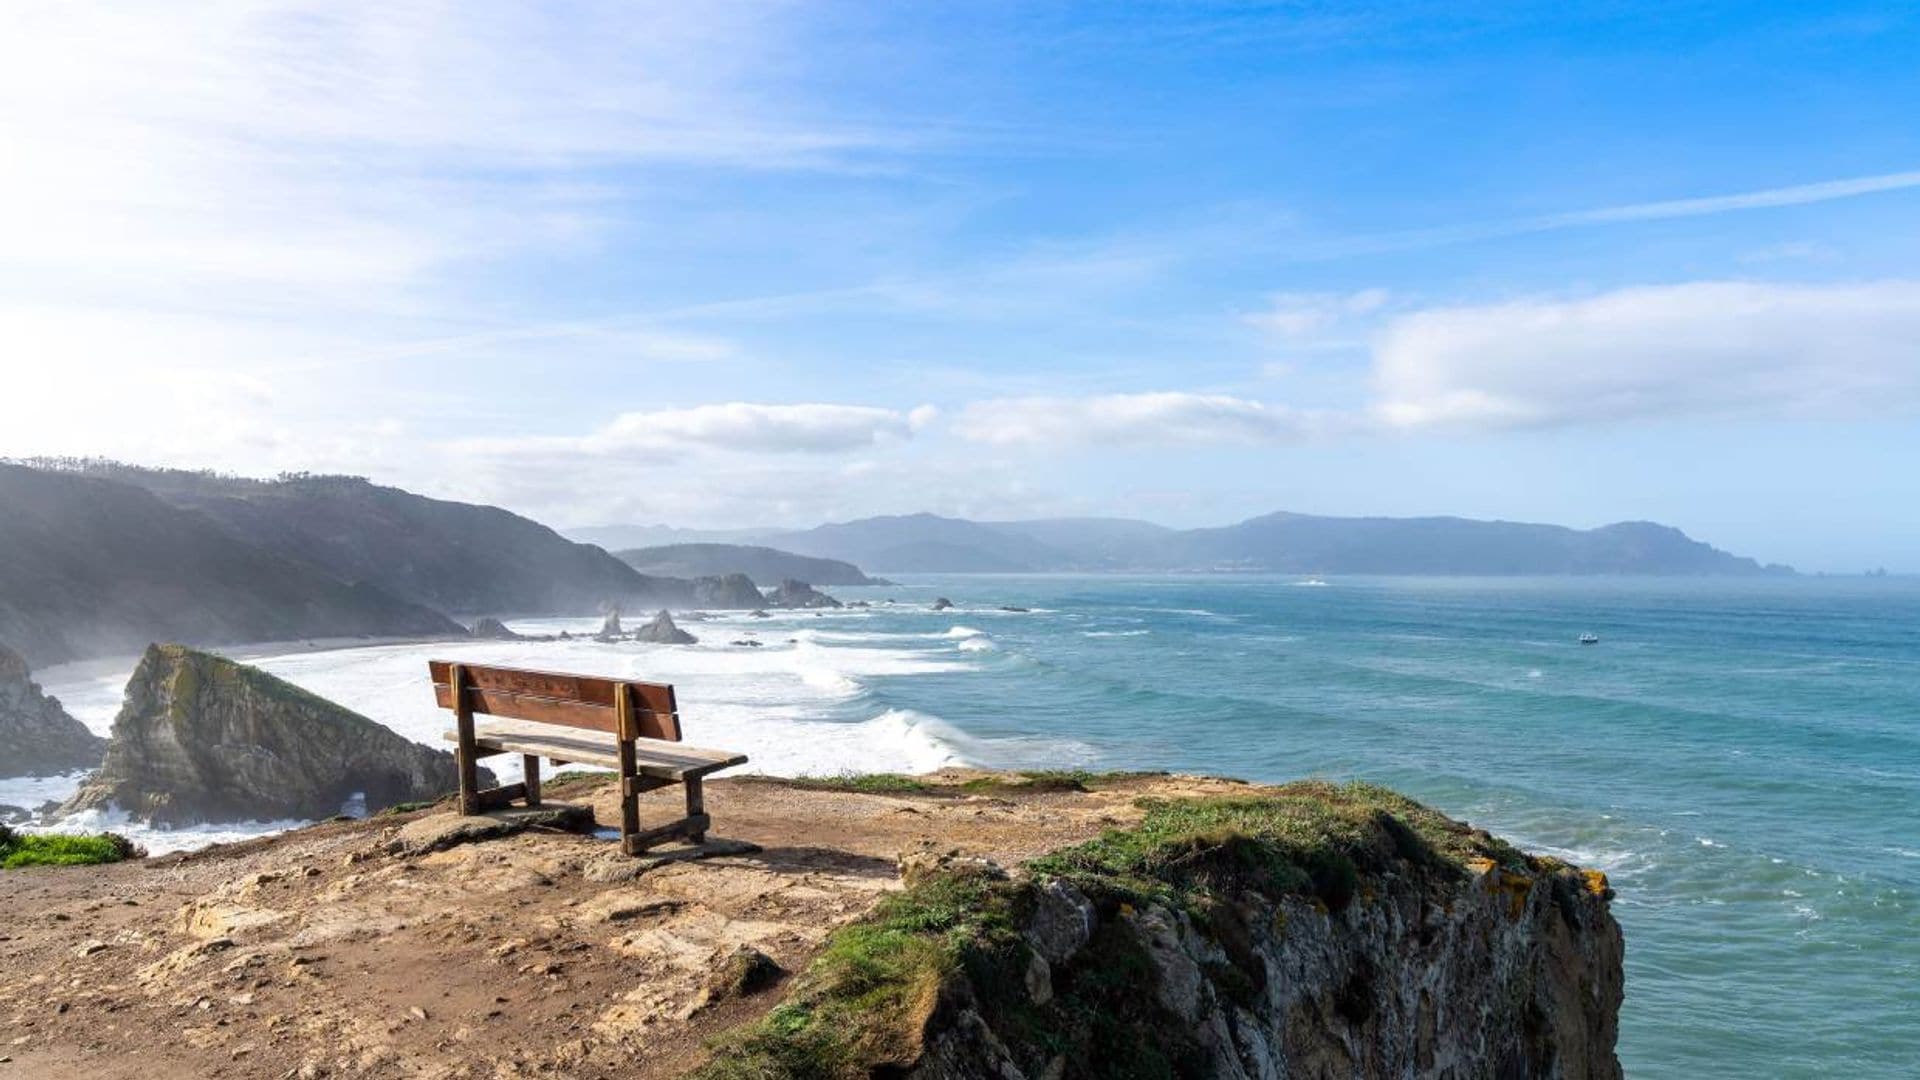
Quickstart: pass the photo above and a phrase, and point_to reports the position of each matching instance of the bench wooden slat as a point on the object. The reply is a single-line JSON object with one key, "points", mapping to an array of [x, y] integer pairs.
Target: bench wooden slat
{"points": [[546, 710], [652, 757], [558, 685]]}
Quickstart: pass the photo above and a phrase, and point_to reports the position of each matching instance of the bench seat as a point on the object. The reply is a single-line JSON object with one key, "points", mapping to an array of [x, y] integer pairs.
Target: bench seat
{"points": [[671, 761]]}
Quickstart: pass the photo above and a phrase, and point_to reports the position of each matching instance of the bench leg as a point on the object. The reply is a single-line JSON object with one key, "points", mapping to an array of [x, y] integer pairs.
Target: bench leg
{"points": [[531, 766], [630, 841], [468, 765], [696, 810]]}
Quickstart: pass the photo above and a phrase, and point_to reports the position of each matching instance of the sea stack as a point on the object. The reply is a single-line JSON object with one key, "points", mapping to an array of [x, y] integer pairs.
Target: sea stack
{"points": [[201, 738], [732, 591], [661, 631], [37, 737], [492, 629], [799, 594], [610, 626]]}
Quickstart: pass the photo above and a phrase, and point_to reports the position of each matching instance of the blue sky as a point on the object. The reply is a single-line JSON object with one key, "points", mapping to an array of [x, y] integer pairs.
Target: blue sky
{"points": [[723, 265]]}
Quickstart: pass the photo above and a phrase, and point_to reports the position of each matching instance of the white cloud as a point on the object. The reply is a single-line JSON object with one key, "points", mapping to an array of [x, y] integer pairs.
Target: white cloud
{"points": [[731, 427], [1295, 315], [812, 428], [1149, 419], [1704, 348]]}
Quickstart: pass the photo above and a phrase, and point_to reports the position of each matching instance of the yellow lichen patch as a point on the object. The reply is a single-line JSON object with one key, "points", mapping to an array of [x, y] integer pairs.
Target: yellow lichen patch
{"points": [[1480, 864], [1597, 883], [1517, 887]]}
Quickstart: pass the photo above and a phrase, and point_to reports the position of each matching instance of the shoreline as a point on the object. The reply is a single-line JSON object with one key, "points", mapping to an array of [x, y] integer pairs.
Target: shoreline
{"points": [[245, 652]]}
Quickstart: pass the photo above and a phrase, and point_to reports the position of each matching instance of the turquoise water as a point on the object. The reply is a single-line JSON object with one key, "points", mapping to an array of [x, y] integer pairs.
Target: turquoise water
{"points": [[1742, 758]]}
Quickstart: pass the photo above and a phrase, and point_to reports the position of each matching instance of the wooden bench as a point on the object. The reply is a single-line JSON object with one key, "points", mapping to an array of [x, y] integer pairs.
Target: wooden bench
{"points": [[631, 727]]}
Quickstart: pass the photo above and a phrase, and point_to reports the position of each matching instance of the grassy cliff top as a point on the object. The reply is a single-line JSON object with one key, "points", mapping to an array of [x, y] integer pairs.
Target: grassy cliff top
{"points": [[863, 1003]]}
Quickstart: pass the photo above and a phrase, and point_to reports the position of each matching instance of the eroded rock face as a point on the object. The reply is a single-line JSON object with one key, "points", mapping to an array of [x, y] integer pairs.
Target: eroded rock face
{"points": [[661, 631], [799, 594], [201, 738], [37, 737], [1498, 974]]}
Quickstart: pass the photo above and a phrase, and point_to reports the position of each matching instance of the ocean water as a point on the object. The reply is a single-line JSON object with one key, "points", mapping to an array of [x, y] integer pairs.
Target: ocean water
{"points": [[1741, 757]]}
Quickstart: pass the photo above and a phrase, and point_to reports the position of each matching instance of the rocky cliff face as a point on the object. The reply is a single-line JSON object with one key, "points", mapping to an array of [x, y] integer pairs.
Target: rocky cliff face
{"points": [[1304, 931], [37, 737], [202, 738]]}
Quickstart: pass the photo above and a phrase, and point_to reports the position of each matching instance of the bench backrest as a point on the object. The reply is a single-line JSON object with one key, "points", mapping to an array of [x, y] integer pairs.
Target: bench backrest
{"points": [[631, 710]]}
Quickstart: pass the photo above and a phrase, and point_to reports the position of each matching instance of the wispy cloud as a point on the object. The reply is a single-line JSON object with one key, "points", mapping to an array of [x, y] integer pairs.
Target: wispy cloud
{"points": [[363, 144], [1441, 236], [742, 427], [1700, 348], [1165, 418]]}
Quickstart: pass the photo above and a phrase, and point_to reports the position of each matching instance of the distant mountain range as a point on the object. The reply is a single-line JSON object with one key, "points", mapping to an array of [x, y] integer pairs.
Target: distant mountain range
{"points": [[1275, 543], [758, 563], [91, 566], [99, 558]]}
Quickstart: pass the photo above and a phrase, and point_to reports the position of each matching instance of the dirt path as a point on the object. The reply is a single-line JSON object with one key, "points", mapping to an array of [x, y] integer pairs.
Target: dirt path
{"points": [[320, 953]]}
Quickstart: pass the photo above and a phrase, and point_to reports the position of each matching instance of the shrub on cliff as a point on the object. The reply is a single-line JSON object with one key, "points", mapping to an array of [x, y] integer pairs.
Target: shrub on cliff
{"points": [[19, 849]]}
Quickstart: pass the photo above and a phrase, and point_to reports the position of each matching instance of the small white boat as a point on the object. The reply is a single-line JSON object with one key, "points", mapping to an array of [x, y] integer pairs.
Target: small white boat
{"points": [[1589, 639]]}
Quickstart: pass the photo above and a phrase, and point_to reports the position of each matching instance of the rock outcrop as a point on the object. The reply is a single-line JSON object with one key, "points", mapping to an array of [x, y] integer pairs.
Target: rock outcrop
{"points": [[610, 626], [201, 738], [37, 737], [661, 631], [492, 629], [1302, 931], [942, 604], [799, 594], [726, 591]]}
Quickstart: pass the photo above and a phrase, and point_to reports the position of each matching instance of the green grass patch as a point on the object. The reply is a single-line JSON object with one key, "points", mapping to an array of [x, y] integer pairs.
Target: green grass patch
{"points": [[19, 849], [1310, 838], [1040, 781], [862, 1003], [881, 783]]}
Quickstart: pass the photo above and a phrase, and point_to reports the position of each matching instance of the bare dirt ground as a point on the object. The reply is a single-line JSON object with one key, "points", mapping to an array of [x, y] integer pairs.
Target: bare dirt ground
{"points": [[321, 953]]}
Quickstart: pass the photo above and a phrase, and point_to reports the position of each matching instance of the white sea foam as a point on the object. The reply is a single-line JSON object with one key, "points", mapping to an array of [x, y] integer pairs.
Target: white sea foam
{"points": [[794, 705], [30, 792], [963, 632], [1115, 633], [976, 644], [159, 841]]}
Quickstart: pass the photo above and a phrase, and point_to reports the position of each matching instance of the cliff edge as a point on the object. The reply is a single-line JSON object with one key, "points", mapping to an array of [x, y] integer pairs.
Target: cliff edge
{"points": [[963, 924]]}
